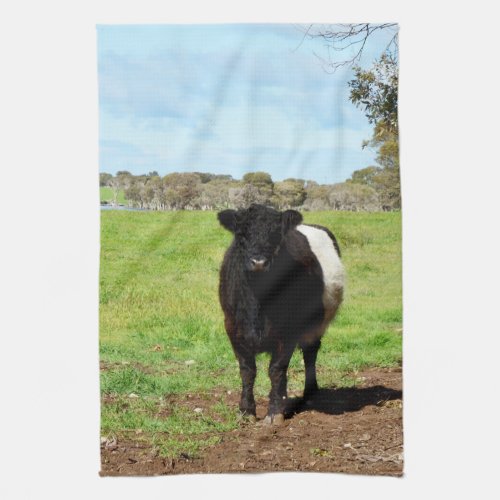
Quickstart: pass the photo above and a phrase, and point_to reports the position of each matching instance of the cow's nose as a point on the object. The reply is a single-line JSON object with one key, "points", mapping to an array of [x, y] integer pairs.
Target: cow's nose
{"points": [[258, 263]]}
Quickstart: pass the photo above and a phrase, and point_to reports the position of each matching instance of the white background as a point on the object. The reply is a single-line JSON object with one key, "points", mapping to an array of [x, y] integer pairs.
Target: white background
{"points": [[49, 430]]}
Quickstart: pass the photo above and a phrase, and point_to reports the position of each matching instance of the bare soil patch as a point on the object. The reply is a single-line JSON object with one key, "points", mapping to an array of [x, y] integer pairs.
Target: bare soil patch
{"points": [[351, 430]]}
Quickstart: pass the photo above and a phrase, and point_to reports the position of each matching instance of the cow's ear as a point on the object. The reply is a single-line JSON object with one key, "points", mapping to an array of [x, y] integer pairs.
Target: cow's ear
{"points": [[227, 219], [290, 219]]}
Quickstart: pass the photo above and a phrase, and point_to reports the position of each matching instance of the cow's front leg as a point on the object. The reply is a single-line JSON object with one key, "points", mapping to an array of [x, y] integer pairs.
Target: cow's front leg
{"points": [[280, 359], [248, 371]]}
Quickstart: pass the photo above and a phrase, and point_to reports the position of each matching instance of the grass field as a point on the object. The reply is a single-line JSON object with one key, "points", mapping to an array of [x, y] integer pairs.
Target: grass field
{"points": [[161, 327], [106, 194]]}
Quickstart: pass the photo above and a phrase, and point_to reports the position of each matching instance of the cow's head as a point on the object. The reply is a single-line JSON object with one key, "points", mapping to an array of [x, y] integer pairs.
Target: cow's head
{"points": [[258, 232]]}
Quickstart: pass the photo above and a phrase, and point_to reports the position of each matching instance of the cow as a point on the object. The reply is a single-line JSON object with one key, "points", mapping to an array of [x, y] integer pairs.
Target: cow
{"points": [[281, 284]]}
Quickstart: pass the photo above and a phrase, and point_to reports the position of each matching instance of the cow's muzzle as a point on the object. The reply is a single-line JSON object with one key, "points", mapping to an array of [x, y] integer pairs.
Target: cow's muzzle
{"points": [[258, 264]]}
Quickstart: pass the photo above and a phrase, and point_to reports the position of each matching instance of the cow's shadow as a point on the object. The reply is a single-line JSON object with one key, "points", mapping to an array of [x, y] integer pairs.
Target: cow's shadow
{"points": [[337, 401]]}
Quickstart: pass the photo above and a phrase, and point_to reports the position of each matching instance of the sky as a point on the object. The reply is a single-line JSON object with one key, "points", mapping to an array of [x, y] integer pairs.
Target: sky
{"points": [[227, 99]]}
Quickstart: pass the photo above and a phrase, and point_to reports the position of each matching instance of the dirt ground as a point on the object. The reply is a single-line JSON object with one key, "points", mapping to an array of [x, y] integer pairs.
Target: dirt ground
{"points": [[356, 430]]}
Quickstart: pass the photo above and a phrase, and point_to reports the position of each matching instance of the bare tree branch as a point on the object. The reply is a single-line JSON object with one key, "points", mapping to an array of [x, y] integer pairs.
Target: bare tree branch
{"points": [[306, 32], [341, 37]]}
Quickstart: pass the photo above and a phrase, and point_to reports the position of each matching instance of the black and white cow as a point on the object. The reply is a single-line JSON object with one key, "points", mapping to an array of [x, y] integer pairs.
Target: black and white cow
{"points": [[281, 283]]}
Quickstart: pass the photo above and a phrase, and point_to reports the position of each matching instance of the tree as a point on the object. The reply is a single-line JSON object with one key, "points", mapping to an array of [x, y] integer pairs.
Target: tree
{"points": [[115, 184], [181, 189], [350, 39], [124, 178], [154, 194], [214, 195], [289, 193], [317, 196], [365, 176], [258, 179], [104, 179], [244, 196], [376, 91], [134, 192], [388, 186], [257, 186], [354, 197]]}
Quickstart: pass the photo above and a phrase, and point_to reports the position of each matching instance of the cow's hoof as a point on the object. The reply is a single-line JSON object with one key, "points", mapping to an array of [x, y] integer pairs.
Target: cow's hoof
{"points": [[277, 419]]}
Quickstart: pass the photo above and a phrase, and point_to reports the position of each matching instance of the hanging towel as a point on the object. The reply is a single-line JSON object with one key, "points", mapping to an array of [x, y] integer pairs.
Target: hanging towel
{"points": [[250, 274]]}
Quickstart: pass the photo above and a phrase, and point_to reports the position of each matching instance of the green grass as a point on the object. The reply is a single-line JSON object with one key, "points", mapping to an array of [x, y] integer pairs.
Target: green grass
{"points": [[107, 195], [159, 308]]}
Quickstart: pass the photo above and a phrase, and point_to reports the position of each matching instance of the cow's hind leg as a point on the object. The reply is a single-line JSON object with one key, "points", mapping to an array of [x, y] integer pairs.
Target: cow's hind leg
{"points": [[248, 371], [310, 353], [280, 359]]}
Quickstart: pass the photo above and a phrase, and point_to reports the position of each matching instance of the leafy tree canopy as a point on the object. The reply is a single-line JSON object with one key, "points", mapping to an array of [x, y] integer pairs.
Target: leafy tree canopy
{"points": [[258, 179], [376, 92]]}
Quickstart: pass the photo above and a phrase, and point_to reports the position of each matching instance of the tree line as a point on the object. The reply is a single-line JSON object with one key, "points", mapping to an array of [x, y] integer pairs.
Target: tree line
{"points": [[205, 191]]}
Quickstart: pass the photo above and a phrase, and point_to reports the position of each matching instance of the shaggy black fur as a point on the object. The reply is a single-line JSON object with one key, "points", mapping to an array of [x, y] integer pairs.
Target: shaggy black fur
{"points": [[270, 309]]}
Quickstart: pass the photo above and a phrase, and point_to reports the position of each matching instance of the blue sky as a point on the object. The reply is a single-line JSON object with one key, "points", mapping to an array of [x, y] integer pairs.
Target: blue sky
{"points": [[227, 99]]}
